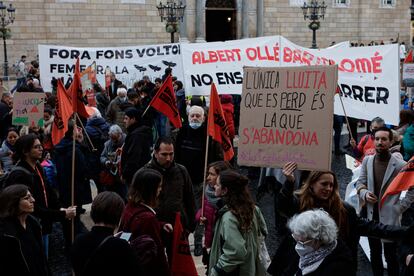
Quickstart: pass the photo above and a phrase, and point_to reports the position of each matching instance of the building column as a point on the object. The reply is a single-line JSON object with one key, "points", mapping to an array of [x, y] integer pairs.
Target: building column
{"points": [[183, 25], [245, 19], [200, 30], [259, 16]]}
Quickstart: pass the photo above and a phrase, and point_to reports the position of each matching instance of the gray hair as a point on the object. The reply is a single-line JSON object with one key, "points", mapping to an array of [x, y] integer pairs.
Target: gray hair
{"points": [[314, 224], [115, 129], [196, 108], [121, 90], [378, 120]]}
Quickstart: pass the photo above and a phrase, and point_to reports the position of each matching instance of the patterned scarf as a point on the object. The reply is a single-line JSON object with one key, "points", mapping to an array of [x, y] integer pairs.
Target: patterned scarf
{"points": [[211, 196], [310, 262]]}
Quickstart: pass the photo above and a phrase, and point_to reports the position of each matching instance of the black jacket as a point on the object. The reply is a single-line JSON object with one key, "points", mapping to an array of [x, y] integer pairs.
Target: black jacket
{"points": [[136, 151], [47, 214], [191, 148], [338, 263], [21, 250], [5, 119], [114, 257], [63, 161], [176, 195], [287, 205]]}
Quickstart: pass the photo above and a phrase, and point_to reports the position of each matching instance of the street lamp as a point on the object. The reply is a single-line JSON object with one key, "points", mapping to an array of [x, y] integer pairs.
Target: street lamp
{"points": [[171, 12], [316, 11], [7, 17]]}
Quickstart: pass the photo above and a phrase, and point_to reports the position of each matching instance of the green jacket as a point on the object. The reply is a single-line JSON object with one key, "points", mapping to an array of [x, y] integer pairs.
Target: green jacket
{"points": [[233, 252]]}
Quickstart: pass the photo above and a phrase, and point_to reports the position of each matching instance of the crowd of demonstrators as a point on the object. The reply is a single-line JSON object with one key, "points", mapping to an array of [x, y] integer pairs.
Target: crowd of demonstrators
{"points": [[133, 155]]}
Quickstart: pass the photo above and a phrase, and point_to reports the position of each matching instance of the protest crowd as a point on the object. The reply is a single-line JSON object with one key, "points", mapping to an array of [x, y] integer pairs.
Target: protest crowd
{"points": [[159, 179]]}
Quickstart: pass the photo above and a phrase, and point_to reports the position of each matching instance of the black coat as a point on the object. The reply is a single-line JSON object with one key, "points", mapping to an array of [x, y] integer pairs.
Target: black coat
{"points": [[21, 250], [287, 205], [338, 263], [136, 151], [112, 92], [114, 257], [63, 161], [406, 248], [47, 214], [190, 151], [5, 119]]}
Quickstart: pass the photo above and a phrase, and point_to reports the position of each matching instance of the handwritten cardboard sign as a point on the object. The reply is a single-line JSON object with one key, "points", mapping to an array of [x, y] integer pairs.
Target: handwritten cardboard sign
{"points": [[28, 109], [287, 115]]}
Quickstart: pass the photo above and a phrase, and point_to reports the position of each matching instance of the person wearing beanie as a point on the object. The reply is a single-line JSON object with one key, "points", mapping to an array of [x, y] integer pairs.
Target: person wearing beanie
{"points": [[137, 147]]}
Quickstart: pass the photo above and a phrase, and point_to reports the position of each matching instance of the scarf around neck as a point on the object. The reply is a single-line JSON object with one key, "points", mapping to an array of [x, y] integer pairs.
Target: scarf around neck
{"points": [[310, 262]]}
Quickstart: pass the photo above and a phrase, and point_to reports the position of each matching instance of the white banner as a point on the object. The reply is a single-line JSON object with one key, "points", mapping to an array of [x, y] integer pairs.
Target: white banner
{"points": [[368, 77], [129, 63], [222, 63]]}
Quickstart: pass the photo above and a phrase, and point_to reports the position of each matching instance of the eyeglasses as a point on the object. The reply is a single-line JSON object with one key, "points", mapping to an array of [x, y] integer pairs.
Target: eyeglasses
{"points": [[303, 243]]}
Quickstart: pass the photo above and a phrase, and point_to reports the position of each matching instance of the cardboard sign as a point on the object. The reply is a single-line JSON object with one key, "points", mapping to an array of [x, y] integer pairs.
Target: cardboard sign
{"points": [[28, 109], [287, 116]]}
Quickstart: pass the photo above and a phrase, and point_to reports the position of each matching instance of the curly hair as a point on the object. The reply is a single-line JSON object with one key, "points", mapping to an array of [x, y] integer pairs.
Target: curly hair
{"points": [[238, 198], [334, 205]]}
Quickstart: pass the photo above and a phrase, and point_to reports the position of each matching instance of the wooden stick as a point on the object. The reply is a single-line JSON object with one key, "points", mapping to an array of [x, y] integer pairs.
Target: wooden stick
{"points": [[205, 175], [145, 111], [346, 117], [86, 133], [72, 186]]}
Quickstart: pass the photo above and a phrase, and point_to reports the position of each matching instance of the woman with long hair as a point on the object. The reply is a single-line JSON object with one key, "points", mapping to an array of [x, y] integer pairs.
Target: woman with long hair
{"points": [[139, 217], [239, 224], [211, 205], [321, 190], [21, 248]]}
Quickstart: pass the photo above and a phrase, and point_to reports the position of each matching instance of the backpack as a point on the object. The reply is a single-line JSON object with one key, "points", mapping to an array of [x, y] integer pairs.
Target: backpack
{"points": [[4, 178]]}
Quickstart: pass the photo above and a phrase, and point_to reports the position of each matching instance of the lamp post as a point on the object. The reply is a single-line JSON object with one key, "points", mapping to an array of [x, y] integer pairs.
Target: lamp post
{"points": [[171, 12], [7, 17], [316, 12]]}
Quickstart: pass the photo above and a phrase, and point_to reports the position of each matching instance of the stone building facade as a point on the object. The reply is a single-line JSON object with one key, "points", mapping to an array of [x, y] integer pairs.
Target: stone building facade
{"points": [[92, 23]]}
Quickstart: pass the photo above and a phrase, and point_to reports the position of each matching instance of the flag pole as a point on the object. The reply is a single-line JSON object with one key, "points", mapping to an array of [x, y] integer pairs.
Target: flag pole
{"points": [[72, 186], [86, 133], [205, 174], [346, 117]]}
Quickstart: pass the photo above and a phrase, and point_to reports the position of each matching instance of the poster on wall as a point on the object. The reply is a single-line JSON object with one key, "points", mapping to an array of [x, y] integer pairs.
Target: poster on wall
{"points": [[286, 116]]}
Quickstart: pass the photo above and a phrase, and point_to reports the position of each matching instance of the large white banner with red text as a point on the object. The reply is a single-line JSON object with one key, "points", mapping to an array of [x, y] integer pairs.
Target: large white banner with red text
{"points": [[368, 77]]}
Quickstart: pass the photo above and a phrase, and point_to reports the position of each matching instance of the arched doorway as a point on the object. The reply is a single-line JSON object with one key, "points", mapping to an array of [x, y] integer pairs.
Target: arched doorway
{"points": [[220, 20]]}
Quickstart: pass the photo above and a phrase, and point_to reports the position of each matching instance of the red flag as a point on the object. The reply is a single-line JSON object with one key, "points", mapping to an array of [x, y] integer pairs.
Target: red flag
{"points": [[75, 93], [217, 126], [402, 182], [409, 57], [164, 101], [62, 113], [182, 263]]}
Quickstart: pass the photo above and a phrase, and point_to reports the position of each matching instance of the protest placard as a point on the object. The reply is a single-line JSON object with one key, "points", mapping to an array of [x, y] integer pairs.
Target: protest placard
{"points": [[286, 116], [408, 71], [28, 109]]}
